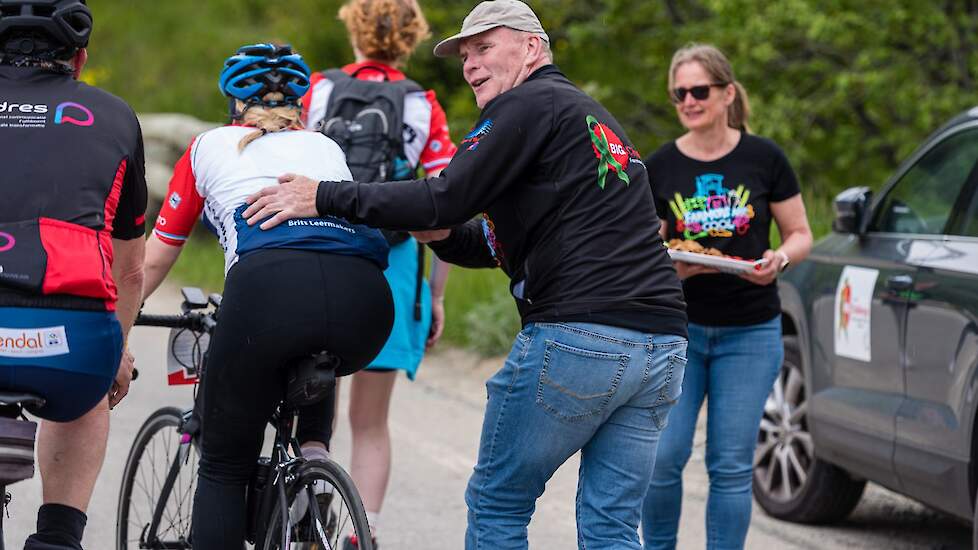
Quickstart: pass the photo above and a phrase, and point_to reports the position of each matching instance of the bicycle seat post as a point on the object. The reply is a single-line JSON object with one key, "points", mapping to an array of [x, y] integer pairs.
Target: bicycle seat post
{"points": [[286, 428], [308, 381]]}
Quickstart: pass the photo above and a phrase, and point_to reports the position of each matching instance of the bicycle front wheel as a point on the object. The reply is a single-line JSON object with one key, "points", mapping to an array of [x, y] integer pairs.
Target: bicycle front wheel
{"points": [[338, 515], [156, 498]]}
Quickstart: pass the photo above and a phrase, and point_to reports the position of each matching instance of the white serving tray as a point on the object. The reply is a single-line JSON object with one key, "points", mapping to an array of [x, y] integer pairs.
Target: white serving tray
{"points": [[726, 265]]}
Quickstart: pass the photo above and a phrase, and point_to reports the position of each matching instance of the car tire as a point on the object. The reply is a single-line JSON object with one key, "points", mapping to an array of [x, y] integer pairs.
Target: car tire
{"points": [[974, 525], [789, 482]]}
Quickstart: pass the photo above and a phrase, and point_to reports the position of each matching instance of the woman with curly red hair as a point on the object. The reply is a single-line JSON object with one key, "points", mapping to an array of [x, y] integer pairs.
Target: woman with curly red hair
{"points": [[383, 34]]}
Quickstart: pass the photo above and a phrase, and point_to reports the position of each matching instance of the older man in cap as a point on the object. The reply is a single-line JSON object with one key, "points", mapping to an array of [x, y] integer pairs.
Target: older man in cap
{"points": [[567, 213]]}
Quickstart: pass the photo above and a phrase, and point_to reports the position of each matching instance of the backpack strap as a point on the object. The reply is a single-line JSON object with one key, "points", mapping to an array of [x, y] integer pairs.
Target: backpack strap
{"points": [[371, 68], [336, 75], [418, 283], [348, 87]]}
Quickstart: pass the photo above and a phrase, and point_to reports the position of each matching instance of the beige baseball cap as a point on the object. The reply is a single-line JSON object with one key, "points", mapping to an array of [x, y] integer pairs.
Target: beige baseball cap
{"points": [[489, 15]]}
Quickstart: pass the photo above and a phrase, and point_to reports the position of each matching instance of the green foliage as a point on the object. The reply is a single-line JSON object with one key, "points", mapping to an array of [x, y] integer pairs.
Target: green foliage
{"points": [[491, 325], [479, 311], [166, 56], [201, 263], [846, 87]]}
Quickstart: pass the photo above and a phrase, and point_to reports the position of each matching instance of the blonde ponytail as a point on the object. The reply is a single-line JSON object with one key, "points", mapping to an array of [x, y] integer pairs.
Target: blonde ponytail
{"points": [[268, 119], [738, 113]]}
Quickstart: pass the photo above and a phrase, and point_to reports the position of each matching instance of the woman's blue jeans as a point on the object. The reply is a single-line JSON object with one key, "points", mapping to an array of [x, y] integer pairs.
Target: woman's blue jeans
{"points": [[601, 390], [734, 368]]}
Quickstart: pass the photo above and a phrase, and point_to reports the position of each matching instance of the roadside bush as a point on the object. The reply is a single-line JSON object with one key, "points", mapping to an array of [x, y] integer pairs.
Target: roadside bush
{"points": [[490, 326]]}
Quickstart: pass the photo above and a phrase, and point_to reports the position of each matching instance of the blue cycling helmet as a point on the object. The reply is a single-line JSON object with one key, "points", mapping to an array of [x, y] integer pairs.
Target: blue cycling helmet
{"points": [[261, 69]]}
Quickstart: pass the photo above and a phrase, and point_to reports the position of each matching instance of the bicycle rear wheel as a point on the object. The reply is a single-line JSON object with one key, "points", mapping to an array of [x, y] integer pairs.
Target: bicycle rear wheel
{"points": [[340, 511], [156, 472]]}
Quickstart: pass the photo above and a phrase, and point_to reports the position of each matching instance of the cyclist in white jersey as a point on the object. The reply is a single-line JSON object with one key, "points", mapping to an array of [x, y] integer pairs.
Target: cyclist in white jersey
{"points": [[315, 285]]}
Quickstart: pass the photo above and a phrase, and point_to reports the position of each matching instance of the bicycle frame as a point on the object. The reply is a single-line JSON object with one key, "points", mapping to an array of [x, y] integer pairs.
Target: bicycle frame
{"points": [[284, 464], [286, 453]]}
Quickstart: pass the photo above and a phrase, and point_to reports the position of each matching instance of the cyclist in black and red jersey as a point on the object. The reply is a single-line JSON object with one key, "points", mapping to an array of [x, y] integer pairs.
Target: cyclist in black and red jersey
{"points": [[71, 249]]}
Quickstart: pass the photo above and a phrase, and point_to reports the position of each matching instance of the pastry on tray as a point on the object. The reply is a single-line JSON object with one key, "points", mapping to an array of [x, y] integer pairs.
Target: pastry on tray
{"points": [[692, 246], [692, 251]]}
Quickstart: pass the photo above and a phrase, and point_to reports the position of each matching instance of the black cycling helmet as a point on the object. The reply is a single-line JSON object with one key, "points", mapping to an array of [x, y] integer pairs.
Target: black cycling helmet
{"points": [[52, 28]]}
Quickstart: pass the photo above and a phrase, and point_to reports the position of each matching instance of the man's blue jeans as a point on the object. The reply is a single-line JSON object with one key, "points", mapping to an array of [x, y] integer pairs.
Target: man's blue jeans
{"points": [[735, 368], [601, 390]]}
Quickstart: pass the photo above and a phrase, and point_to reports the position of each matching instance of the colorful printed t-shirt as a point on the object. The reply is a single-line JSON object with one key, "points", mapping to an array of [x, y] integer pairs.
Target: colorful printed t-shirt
{"points": [[724, 204]]}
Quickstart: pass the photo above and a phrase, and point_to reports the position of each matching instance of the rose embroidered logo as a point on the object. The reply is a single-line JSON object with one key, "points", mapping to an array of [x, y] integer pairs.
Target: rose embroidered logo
{"points": [[609, 150]]}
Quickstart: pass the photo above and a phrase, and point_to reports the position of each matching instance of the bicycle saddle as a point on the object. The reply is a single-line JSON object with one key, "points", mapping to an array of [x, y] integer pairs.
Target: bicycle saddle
{"points": [[21, 398], [308, 379]]}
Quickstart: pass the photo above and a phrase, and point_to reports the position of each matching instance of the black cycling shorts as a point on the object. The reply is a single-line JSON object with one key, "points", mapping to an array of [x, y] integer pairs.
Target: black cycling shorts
{"points": [[280, 305]]}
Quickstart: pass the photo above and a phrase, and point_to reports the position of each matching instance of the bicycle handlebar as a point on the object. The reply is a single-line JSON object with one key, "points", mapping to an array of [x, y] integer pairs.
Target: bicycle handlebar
{"points": [[169, 321], [192, 320]]}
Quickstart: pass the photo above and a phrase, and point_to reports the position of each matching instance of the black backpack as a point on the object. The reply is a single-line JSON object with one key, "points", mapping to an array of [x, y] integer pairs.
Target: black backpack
{"points": [[366, 119]]}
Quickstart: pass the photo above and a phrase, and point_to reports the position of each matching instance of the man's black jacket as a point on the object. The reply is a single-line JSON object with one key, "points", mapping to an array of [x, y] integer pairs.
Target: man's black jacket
{"points": [[567, 210]]}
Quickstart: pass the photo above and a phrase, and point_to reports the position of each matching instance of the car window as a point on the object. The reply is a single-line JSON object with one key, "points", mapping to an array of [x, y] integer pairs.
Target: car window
{"points": [[922, 200]]}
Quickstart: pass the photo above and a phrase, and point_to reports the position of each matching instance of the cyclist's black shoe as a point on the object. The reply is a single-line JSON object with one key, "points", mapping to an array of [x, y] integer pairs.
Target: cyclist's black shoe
{"points": [[350, 543]]}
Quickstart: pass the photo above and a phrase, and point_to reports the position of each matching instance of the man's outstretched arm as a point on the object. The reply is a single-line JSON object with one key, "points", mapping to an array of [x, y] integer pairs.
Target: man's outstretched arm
{"points": [[496, 158]]}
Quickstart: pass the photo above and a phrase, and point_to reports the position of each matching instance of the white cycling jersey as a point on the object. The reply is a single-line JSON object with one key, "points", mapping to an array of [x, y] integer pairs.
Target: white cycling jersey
{"points": [[213, 178]]}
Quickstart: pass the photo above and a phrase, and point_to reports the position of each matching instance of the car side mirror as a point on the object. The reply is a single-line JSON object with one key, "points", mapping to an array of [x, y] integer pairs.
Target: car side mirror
{"points": [[850, 209]]}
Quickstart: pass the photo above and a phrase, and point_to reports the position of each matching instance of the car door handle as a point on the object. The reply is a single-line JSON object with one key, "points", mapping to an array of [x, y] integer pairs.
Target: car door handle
{"points": [[899, 283]]}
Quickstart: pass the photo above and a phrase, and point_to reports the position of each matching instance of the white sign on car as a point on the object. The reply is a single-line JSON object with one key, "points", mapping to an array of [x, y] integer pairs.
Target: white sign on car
{"points": [[853, 312]]}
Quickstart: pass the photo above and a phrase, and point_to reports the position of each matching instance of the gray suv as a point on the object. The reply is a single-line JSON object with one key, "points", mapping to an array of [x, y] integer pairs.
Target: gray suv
{"points": [[880, 378]]}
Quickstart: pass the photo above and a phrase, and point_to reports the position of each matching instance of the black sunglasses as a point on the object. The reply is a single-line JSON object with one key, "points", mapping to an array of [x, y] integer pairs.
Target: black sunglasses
{"points": [[699, 92]]}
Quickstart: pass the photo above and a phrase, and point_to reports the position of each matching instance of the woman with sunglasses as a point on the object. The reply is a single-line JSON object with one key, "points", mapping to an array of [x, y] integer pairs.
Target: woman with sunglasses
{"points": [[721, 186]]}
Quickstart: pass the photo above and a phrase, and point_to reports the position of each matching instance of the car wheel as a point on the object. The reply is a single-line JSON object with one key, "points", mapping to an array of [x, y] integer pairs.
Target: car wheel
{"points": [[789, 482], [974, 526]]}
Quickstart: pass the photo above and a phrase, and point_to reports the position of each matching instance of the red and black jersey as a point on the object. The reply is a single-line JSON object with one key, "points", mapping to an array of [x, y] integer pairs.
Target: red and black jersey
{"points": [[73, 179]]}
